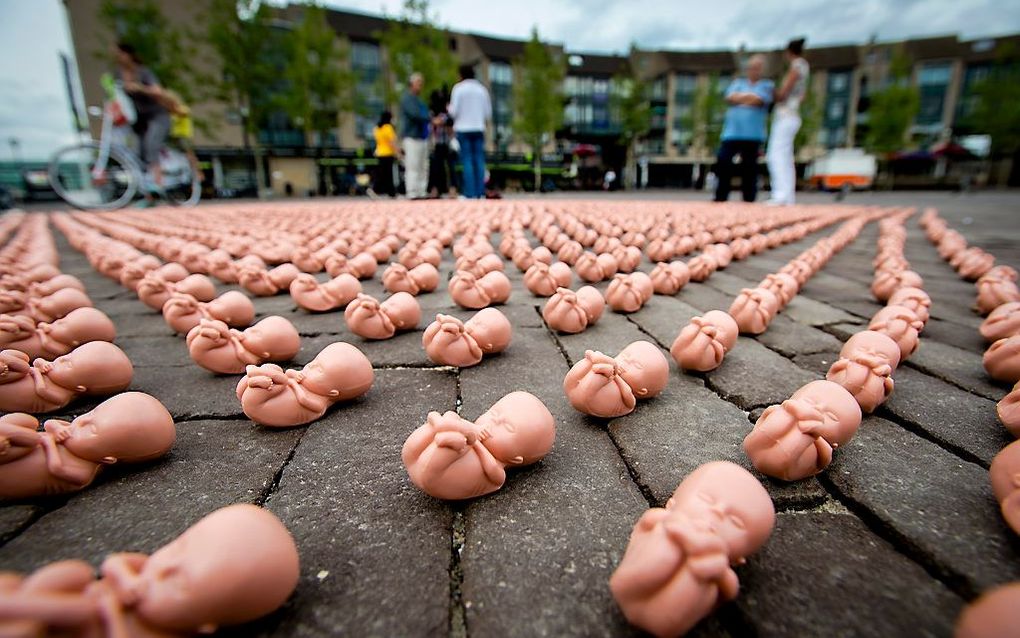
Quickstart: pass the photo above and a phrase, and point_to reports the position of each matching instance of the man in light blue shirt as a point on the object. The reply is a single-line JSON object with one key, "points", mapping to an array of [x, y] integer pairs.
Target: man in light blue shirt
{"points": [[744, 130]]}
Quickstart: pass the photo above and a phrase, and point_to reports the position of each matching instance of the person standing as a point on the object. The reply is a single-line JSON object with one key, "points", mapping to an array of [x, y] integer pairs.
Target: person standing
{"points": [[785, 124], [386, 151], [470, 108], [439, 179], [744, 130], [415, 129]]}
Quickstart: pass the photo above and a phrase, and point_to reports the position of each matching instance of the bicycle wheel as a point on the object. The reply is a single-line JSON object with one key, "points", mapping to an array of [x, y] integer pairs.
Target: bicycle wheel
{"points": [[76, 178], [180, 183]]}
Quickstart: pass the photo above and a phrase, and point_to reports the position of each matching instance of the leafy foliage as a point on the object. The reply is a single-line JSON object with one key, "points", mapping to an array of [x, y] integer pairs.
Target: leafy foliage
{"points": [[997, 108], [707, 114], [632, 107], [892, 109], [811, 112], [319, 82], [415, 44], [538, 96], [162, 46], [240, 35]]}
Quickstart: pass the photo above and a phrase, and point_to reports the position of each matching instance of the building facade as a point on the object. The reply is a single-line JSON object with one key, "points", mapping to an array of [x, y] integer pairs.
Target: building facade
{"points": [[686, 91]]}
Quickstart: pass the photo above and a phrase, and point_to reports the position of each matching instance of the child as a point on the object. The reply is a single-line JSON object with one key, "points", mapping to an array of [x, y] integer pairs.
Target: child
{"points": [[386, 150]]}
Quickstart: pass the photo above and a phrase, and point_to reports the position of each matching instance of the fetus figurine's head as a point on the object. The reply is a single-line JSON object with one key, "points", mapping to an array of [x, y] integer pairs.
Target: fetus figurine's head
{"points": [[207, 577]]}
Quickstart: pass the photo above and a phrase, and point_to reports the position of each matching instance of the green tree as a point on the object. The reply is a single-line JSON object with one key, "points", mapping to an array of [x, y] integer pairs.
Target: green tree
{"points": [[318, 78], [892, 109], [240, 34], [811, 120], [414, 43], [162, 46], [538, 97], [997, 104], [633, 109], [707, 114]]}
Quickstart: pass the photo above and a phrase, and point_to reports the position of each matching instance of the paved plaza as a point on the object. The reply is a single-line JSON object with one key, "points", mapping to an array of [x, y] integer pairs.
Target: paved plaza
{"points": [[892, 540]]}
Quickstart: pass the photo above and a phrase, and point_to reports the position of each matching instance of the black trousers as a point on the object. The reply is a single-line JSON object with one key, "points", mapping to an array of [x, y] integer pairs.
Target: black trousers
{"points": [[384, 177], [438, 166], [748, 152]]}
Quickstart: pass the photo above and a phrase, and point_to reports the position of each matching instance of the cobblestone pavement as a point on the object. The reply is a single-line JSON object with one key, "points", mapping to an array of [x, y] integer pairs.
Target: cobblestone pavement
{"points": [[892, 540]]}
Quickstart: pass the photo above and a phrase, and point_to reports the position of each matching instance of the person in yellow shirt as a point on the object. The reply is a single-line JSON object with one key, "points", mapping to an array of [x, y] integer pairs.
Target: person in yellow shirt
{"points": [[386, 151], [182, 129]]}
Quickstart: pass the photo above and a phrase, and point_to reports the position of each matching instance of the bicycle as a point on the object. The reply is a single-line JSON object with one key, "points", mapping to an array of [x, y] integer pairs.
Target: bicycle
{"points": [[106, 174]]}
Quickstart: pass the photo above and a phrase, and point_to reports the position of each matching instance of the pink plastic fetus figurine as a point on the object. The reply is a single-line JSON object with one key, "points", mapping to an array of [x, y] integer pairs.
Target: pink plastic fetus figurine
{"points": [[1008, 410], [901, 324], [154, 291], [796, 439], [204, 579], [1003, 322], [702, 266], [422, 278], [277, 398], [94, 368], [49, 308], [865, 366], [679, 561], [182, 312], [452, 458], [451, 342], [266, 283], [782, 285], [467, 291], [313, 296], [887, 282], [993, 615], [572, 312], [608, 387], [1005, 476], [1002, 359], [993, 291], [224, 350], [626, 293], [131, 427], [669, 278], [50, 340], [703, 342], [914, 298], [368, 318], [543, 279], [753, 310]]}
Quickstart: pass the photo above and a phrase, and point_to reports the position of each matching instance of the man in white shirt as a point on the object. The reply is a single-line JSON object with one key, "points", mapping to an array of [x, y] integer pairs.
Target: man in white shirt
{"points": [[471, 108]]}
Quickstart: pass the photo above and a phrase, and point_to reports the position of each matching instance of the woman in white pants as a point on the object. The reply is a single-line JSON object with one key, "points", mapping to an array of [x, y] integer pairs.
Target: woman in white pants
{"points": [[785, 124]]}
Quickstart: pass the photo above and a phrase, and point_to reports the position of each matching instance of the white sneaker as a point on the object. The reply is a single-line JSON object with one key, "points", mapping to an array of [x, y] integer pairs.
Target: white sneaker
{"points": [[775, 202]]}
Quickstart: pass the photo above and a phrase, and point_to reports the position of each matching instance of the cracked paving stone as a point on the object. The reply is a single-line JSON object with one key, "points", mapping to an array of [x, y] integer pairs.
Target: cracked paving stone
{"points": [[957, 366], [143, 507], [954, 334], [704, 297], [375, 550], [190, 392], [941, 507], [612, 333], [950, 415], [402, 349], [556, 531], [156, 351], [669, 436], [791, 597], [664, 317], [818, 362], [815, 313], [751, 375], [14, 517], [790, 338]]}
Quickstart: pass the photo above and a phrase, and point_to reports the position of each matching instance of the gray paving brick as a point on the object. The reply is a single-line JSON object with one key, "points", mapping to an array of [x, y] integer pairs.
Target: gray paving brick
{"points": [[786, 596], [141, 508], [669, 436], [375, 550], [952, 416], [958, 366], [556, 530], [189, 392], [940, 507], [751, 375], [790, 338]]}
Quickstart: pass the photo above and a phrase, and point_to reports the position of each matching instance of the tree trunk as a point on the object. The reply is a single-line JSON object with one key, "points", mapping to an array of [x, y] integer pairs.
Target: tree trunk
{"points": [[629, 174], [538, 171]]}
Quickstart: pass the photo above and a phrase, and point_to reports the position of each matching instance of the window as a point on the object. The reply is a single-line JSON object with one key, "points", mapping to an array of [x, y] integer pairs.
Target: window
{"points": [[839, 82], [500, 73], [365, 55], [933, 75], [836, 110], [659, 89], [601, 87], [686, 84]]}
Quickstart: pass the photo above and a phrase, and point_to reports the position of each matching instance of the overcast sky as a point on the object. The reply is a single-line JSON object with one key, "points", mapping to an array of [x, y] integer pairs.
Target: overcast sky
{"points": [[34, 107]]}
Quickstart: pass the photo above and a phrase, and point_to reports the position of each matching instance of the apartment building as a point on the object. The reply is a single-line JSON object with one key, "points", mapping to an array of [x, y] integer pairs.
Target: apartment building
{"points": [[680, 144]]}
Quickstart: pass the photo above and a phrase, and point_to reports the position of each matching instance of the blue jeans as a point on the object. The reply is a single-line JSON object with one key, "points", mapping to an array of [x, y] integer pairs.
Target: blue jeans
{"points": [[472, 156]]}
